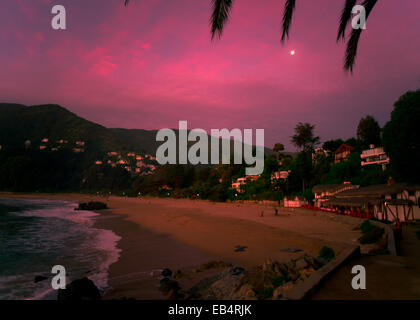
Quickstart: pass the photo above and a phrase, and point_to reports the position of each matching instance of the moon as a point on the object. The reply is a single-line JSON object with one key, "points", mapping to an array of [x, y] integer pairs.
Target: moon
{"points": [[292, 52]]}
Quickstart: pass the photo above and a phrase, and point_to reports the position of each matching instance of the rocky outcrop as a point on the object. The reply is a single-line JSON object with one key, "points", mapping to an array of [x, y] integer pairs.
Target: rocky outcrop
{"points": [[81, 289], [271, 280]]}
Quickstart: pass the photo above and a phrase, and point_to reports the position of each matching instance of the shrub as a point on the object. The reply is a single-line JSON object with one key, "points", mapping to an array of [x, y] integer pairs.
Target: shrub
{"points": [[366, 226], [277, 281], [326, 253], [372, 236], [268, 292], [418, 234]]}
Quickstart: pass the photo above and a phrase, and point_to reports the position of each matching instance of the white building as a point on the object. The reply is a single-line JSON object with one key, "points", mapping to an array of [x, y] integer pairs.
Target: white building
{"points": [[374, 156], [294, 201], [280, 175], [243, 180]]}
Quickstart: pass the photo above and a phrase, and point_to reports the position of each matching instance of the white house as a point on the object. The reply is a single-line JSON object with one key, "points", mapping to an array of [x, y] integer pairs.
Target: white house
{"points": [[243, 180], [279, 175], [385, 201], [294, 201], [374, 156]]}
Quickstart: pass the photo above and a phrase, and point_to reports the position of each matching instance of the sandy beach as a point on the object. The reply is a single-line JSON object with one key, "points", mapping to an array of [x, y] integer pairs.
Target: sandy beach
{"points": [[181, 234]]}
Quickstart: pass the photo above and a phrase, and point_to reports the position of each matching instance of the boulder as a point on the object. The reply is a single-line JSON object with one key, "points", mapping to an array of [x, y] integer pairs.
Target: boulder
{"points": [[80, 289], [166, 285], [166, 273], [244, 292], [301, 263]]}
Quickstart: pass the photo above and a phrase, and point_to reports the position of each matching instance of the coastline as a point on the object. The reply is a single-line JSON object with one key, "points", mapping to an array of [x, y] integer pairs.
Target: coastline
{"points": [[181, 234]]}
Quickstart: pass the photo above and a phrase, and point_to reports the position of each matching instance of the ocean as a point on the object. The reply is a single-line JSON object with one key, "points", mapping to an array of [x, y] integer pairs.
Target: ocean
{"points": [[35, 235]]}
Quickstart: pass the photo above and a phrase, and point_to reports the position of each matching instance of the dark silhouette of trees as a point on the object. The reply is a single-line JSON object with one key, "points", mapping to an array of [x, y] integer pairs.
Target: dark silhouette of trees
{"points": [[401, 138]]}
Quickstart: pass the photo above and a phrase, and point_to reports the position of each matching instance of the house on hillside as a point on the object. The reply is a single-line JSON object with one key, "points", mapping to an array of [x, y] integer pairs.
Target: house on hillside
{"points": [[45, 140], [80, 143], [98, 162], [342, 153], [279, 175], [236, 184], [325, 192], [384, 202], [319, 151], [374, 156], [294, 201]]}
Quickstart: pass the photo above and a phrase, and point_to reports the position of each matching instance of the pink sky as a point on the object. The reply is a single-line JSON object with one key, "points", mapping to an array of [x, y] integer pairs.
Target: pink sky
{"points": [[152, 64]]}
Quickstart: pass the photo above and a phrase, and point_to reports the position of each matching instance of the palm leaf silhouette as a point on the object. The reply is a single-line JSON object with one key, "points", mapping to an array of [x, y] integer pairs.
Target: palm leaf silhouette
{"points": [[220, 15], [289, 8], [353, 42], [345, 18]]}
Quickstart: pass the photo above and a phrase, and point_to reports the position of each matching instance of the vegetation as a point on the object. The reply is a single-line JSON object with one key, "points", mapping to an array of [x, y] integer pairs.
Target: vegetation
{"points": [[370, 233], [326, 253], [368, 132], [24, 167], [401, 138]]}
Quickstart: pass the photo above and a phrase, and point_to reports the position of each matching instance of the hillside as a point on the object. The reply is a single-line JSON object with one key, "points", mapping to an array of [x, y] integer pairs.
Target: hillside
{"points": [[19, 123]]}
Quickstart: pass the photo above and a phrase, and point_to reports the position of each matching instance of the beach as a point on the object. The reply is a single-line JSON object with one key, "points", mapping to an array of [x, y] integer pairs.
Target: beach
{"points": [[158, 233]]}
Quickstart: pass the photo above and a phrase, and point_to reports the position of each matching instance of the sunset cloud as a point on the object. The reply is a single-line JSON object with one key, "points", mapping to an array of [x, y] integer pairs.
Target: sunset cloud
{"points": [[152, 63]]}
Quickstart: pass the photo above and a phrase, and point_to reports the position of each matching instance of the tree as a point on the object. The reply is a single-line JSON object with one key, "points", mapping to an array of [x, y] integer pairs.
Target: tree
{"points": [[222, 8], [332, 145], [278, 147], [401, 138], [368, 132], [304, 137]]}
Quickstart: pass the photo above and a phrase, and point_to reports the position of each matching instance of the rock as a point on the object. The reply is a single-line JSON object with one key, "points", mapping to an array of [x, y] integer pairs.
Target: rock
{"points": [[305, 273], [175, 295], [281, 268], [236, 271], [39, 278], [277, 293], [301, 263], [320, 261], [225, 287], [166, 273], [212, 265], [244, 292], [268, 265], [293, 274], [166, 285], [92, 205], [80, 289], [284, 290]]}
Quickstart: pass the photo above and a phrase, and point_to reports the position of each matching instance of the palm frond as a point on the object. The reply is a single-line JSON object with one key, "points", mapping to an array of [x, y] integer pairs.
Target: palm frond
{"points": [[352, 44], [219, 17], [345, 18], [289, 8], [126, 2]]}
